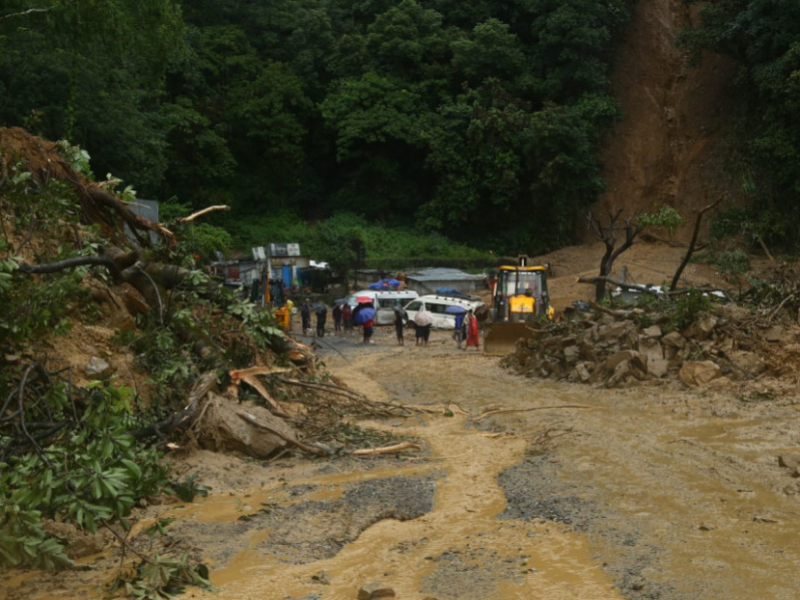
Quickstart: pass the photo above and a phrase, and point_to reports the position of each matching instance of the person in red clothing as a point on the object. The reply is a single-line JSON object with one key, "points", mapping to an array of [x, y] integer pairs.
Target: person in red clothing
{"points": [[347, 318], [473, 339], [368, 330]]}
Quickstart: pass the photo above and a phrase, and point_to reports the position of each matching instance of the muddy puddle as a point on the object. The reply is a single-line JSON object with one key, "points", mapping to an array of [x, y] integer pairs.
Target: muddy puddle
{"points": [[457, 548]]}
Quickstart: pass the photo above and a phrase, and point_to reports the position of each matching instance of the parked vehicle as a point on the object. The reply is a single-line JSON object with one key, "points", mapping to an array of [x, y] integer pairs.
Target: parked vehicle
{"points": [[437, 305], [384, 301], [519, 296]]}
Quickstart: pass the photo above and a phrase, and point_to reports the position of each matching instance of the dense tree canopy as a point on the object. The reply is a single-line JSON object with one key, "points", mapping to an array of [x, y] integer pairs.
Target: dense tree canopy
{"points": [[763, 36], [477, 120]]}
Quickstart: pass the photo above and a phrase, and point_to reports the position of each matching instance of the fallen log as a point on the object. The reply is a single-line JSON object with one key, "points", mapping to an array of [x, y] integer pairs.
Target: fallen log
{"points": [[247, 418]]}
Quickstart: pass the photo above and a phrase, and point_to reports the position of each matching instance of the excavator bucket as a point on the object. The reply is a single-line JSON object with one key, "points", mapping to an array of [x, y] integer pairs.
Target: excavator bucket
{"points": [[501, 338]]}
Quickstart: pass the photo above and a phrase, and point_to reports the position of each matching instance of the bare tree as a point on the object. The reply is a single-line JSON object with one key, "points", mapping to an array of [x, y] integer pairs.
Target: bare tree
{"points": [[608, 235], [692, 244]]}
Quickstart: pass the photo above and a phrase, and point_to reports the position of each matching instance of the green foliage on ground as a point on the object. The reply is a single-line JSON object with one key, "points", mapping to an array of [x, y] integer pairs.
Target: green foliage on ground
{"points": [[84, 455]]}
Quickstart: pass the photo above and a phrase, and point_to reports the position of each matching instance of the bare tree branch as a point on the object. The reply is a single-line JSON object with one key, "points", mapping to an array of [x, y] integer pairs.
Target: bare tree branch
{"points": [[205, 211], [692, 243], [26, 12]]}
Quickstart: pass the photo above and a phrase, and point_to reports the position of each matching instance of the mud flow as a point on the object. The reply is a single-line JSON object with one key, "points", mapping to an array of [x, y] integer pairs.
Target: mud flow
{"points": [[531, 489]]}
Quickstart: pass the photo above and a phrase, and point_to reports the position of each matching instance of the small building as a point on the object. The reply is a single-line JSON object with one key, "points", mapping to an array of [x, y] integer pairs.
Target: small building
{"points": [[427, 281]]}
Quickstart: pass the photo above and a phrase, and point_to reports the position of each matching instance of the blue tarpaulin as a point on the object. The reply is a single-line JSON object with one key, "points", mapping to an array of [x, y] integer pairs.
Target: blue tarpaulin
{"points": [[443, 291], [384, 284]]}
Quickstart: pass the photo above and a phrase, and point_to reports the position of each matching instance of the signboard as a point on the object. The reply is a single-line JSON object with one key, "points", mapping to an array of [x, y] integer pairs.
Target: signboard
{"points": [[258, 253], [147, 209], [277, 250]]}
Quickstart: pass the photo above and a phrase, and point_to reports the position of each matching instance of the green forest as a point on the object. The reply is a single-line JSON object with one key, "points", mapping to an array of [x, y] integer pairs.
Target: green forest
{"points": [[473, 122]]}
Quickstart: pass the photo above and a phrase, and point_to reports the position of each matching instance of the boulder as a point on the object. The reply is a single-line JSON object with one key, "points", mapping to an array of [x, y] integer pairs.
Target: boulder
{"points": [[375, 590], [223, 430], [97, 368], [654, 331], [702, 329], [674, 339], [749, 364], [615, 330], [587, 350], [699, 373], [657, 367], [650, 347], [571, 354], [583, 370]]}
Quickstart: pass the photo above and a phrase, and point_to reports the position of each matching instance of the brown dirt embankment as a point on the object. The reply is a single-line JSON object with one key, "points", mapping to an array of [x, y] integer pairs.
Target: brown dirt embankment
{"points": [[673, 145]]}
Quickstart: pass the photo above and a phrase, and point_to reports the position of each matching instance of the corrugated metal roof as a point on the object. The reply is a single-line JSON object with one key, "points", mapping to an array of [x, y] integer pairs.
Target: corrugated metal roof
{"points": [[443, 274]]}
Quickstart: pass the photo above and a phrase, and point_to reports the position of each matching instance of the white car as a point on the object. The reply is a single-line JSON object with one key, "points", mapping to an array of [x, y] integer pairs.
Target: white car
{"points": [[384, 302], [437, 305]]}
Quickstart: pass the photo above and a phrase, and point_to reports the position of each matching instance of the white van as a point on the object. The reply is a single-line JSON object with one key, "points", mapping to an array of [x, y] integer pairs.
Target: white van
{"points": [[437, 305], [384, 301]]}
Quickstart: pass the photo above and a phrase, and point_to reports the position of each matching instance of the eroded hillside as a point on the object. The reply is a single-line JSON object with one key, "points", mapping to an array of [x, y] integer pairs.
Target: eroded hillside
{"points": [[672, 146]]}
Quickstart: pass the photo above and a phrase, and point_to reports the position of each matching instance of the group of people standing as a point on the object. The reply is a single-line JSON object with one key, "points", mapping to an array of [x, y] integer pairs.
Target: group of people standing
{"points": [[466, 324], [342, 317], [466, 330]]}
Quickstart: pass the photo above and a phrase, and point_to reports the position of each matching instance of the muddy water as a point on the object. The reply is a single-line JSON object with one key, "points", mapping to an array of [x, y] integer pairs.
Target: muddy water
{"points": [[654, 492], [538, 560], [665, 493]]}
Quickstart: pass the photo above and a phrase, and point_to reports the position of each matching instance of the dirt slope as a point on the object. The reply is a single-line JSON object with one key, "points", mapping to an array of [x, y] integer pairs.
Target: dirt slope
{"points": [[672, 145]]}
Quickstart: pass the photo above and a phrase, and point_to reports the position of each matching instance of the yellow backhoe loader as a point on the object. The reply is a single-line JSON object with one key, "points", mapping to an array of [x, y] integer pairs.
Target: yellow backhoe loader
{"points": [[519, 296]]}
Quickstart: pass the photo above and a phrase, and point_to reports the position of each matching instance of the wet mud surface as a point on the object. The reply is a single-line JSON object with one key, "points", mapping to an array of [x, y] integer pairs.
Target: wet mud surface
{"points": [[522, 489]]}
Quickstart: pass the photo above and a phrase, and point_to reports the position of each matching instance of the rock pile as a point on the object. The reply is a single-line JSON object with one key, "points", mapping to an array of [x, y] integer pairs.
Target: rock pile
{"points": [[625, 347]]}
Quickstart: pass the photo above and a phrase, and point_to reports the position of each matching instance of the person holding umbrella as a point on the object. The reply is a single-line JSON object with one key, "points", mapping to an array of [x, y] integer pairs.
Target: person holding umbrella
{"points": [[364, 315], [423, 320]]}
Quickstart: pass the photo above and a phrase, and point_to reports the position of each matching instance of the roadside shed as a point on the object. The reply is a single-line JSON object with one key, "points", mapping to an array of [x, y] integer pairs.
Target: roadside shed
{"points": [[427, 281]]}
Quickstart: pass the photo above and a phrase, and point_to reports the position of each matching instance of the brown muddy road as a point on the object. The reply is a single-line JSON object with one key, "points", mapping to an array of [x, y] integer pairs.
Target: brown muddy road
{"points": [[571, 493], [652, 492]]}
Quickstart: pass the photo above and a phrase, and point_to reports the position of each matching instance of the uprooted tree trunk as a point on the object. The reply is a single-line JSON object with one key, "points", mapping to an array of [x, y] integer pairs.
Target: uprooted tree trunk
{"points": [[692, 244], [607, 234]]}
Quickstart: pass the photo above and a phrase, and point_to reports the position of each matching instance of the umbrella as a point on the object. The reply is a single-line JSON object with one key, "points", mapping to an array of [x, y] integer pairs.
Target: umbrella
{"points": [[401, 311], [364, 300], [423, 318], [340, 302], [319, 307], [364, 315], [455, 310]]}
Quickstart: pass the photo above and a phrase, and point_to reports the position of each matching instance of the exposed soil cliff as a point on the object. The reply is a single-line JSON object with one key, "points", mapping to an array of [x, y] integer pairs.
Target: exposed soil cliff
{"points": [[673, 145]]}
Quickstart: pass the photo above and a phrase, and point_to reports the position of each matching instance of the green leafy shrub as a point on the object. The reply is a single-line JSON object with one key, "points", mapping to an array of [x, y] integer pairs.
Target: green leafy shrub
{"points": [[686, 309], [728, 262], [91, 472]]}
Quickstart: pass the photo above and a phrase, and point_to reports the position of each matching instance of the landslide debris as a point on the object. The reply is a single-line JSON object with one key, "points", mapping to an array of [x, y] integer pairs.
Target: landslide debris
{"points": [[116, 349], [695, 339]]}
